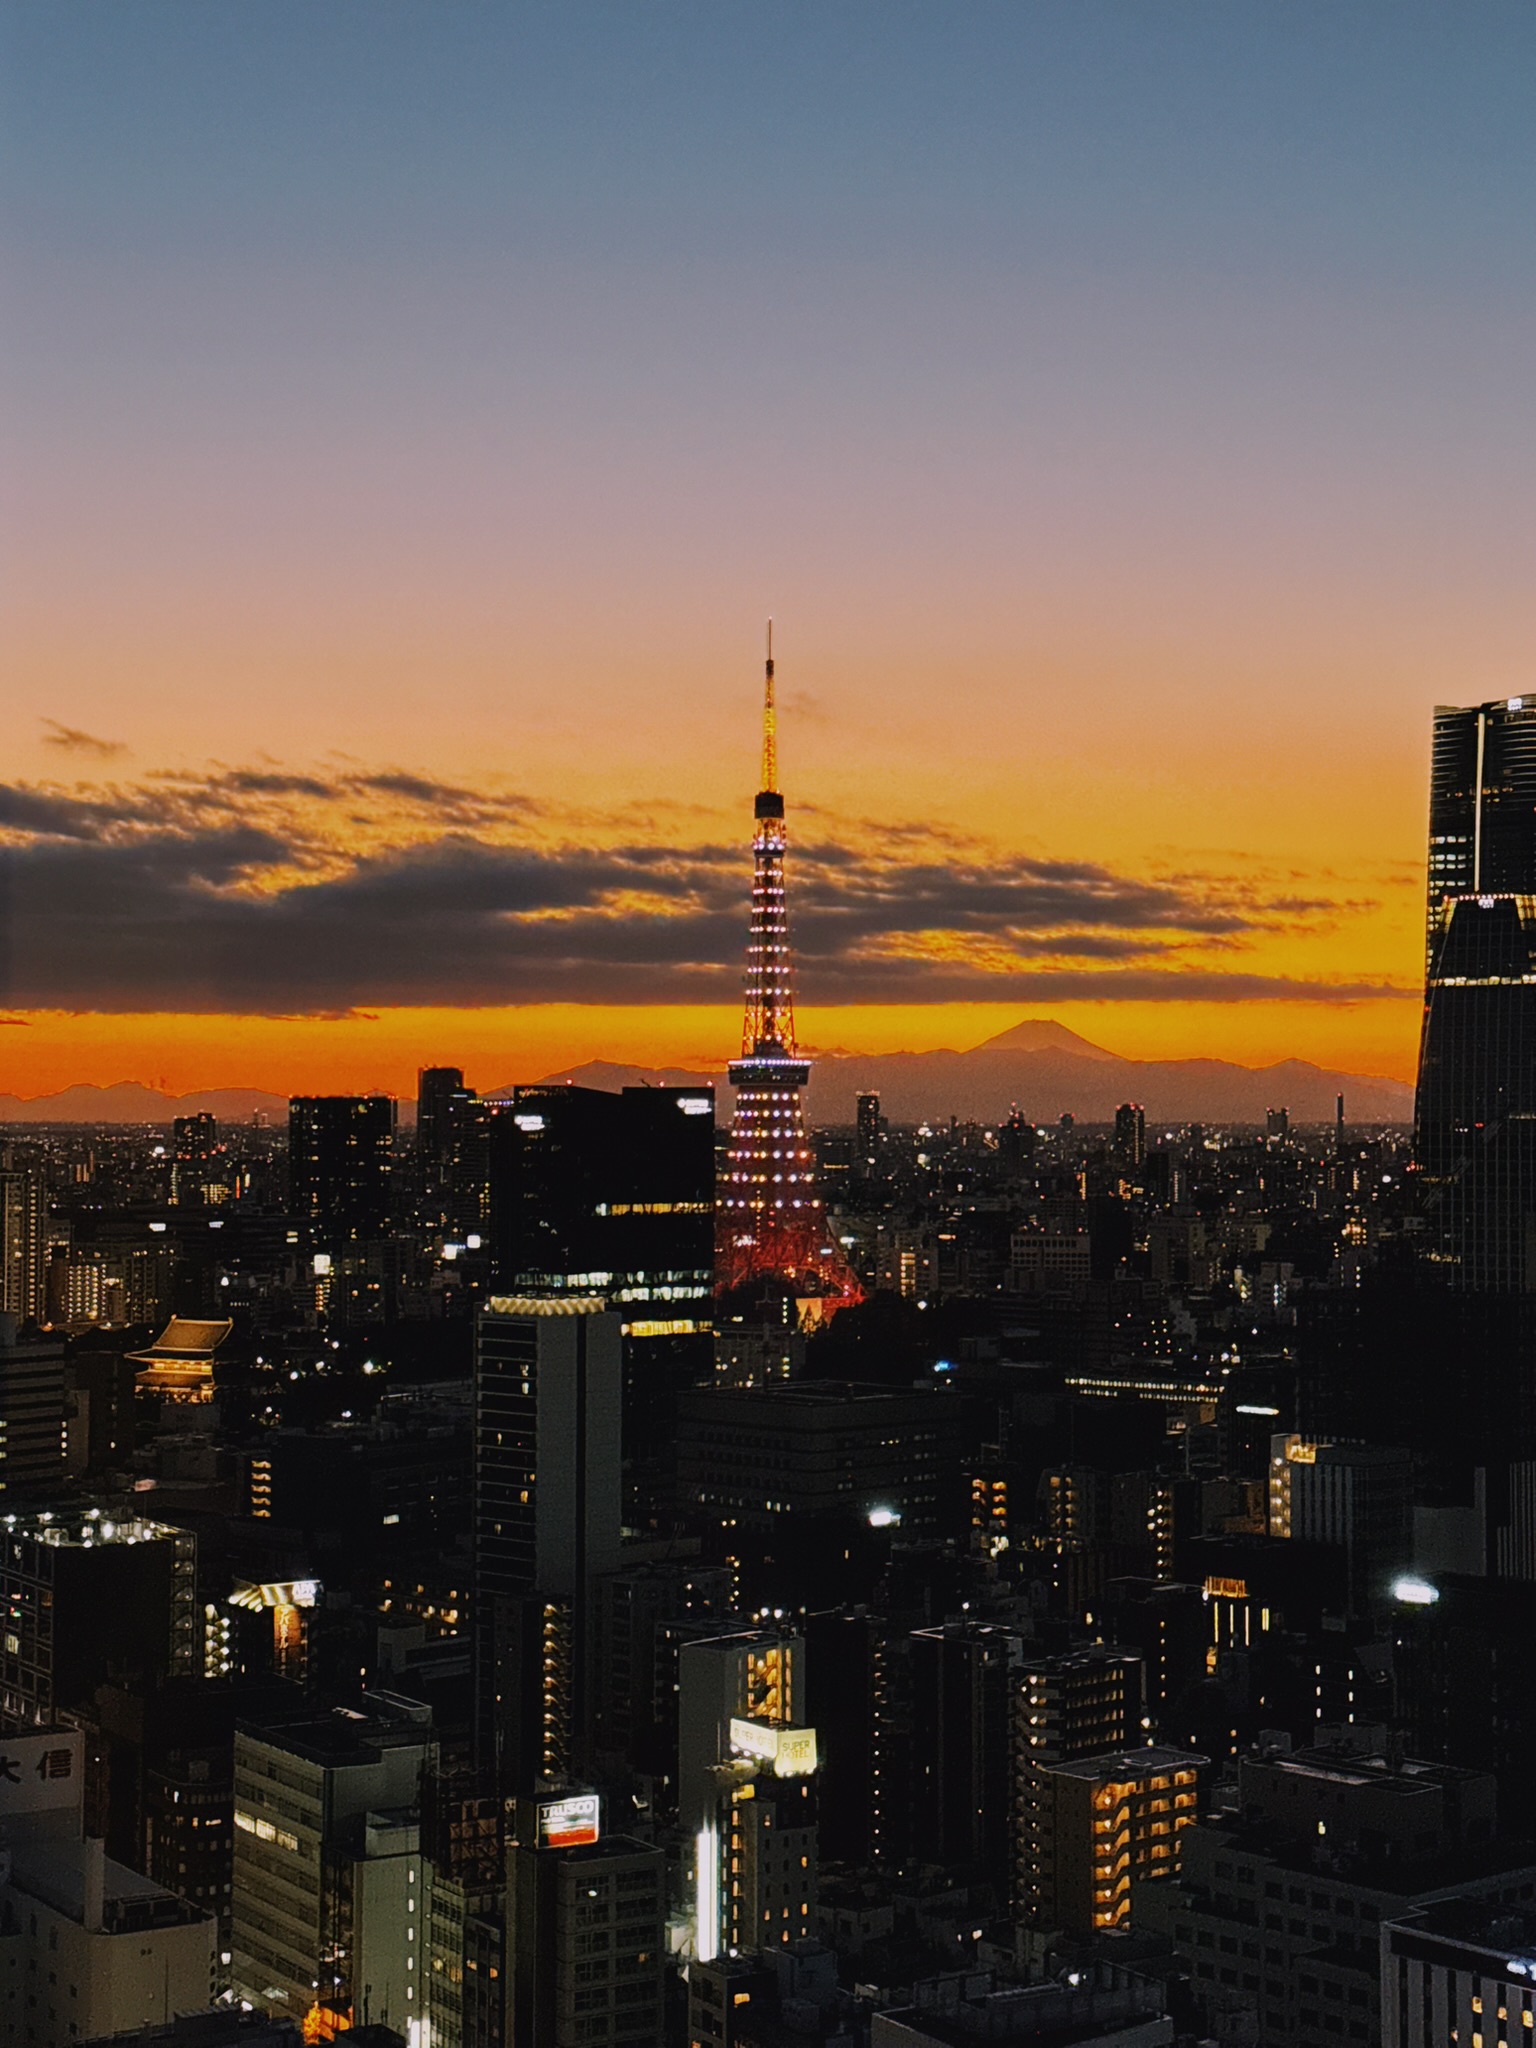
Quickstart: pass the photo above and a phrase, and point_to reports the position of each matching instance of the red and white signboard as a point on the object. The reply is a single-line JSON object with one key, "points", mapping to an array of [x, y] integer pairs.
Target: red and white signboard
{"points": [[568, 1823]]}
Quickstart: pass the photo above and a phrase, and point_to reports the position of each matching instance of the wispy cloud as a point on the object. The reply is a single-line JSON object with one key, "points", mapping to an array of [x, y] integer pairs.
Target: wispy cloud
{"points": [[70, 739]]}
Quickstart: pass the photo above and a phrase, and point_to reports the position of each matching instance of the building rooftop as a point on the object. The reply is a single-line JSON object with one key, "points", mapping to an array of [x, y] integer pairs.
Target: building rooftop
{"points": [[1483, 1926], [814, 1394], [90, 1530], [344, 1735], [56, 1875], [1128, 1763], [1406, 1776], [184, 1341], [1368, 1866], [1082, 2006]]}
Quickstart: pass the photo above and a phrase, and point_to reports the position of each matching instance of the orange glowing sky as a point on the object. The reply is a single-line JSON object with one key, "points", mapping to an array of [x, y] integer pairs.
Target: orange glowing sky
{"points": [[1130, 437]]}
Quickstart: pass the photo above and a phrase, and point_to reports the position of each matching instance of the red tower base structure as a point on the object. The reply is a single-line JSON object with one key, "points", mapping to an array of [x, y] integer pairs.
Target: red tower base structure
{"points": [[772, 1225]]}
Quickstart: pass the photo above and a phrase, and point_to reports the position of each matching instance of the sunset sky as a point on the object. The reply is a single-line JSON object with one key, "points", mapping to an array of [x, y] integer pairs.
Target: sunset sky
{"points": [[412, 412]]}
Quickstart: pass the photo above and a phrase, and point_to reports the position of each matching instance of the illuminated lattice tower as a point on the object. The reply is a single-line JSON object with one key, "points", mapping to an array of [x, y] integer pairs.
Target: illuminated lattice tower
{"points": [[770, 1221]]}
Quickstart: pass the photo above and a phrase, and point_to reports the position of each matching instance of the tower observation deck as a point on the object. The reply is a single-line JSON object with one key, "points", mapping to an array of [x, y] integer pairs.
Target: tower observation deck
{"points": [[770, 1221]]}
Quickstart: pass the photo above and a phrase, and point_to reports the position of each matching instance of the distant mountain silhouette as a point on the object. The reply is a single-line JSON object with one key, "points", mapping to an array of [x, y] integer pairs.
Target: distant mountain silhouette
{"points": [[1044, 1069], [608, 1074], [130, 1102], [1037, 1064]]}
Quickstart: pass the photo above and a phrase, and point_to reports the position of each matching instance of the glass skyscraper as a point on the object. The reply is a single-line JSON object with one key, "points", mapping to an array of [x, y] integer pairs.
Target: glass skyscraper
{"points": [[1476, 1109]]}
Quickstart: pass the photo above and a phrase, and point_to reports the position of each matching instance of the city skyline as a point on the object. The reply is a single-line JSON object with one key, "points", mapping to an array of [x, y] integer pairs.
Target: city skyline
{"points": [[388, 561]]}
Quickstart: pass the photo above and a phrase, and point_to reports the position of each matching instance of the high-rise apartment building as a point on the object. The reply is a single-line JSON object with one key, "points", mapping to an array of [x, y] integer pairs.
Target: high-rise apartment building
{"points": [[869, 1129], [1476, 1110], [1081, 1703], [195, 1178], [1131, 1133], [463, 1841], [547, 1523], [746, 1798], [1106, 1824], [23, 1241], [450, 1128]]}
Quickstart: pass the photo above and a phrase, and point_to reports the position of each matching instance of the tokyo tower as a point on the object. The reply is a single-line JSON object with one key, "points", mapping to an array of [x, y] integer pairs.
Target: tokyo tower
{"points": [[770, 1221]]}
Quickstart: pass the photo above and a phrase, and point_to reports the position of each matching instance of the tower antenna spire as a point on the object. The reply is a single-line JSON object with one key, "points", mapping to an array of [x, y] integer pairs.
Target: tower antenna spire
{"points": [[770, 721]]}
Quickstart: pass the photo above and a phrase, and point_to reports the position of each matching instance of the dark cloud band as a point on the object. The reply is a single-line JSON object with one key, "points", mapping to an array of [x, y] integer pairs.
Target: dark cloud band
{"points": [[223, 894]]}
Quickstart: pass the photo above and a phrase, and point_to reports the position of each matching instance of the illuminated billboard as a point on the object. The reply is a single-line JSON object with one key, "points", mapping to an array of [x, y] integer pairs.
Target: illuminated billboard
{"points": [[789, 1752], [568, 1823]]}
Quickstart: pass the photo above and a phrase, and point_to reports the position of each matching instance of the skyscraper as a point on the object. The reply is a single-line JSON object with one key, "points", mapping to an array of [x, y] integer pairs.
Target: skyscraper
{"points": [[23, 1229], [867, 1113], [546, 1523], [446, 1122], [1476, 1108], [194, 1149], [340, 1152], [1131, 1133], [770, 1223]]}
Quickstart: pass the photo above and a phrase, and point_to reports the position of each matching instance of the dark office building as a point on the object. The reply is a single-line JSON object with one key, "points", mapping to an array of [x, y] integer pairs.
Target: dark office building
{"points": [[547, 1522], [340, 1155], [438, 1090], [1464, 1665], [963, 1679], [826, 1453], [587, 1914], [611, 1194], [1476, 1108], [86, 1596], [32, 1416]]}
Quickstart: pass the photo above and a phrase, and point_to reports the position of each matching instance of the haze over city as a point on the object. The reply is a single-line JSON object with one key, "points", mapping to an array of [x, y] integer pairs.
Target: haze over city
{"points": [[1121, 410]]}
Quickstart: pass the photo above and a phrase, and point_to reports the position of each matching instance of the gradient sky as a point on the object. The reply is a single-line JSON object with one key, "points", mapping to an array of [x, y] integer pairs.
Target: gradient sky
{"points": [[411, 412]]}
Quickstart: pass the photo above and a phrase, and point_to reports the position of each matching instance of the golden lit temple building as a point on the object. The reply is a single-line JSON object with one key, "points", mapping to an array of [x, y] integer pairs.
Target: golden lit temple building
{"points": [[178, 1366]]}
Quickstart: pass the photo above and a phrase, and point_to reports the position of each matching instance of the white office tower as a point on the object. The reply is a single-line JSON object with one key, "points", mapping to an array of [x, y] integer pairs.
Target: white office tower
{"points": [[329, 1904]]}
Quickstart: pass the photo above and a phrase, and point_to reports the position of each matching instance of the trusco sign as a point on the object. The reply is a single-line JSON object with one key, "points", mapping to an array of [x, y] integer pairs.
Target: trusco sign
{"points": [[568, 1823], [790, 1751]]}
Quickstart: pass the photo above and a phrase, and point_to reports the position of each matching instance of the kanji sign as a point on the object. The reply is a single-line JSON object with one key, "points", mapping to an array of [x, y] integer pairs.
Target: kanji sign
{"points": [[40, 1771]]}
